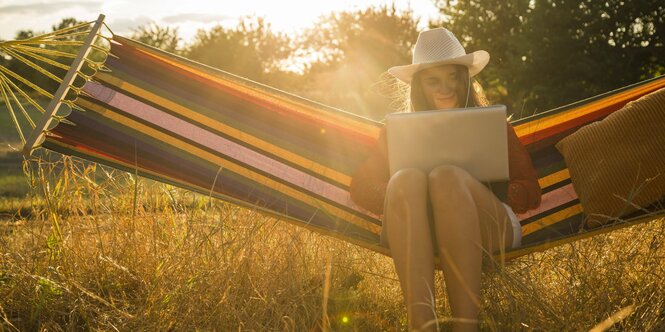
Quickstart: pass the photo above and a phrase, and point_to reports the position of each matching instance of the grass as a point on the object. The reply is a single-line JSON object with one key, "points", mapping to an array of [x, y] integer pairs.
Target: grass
{"points": [[13, 185], [92, 257]]}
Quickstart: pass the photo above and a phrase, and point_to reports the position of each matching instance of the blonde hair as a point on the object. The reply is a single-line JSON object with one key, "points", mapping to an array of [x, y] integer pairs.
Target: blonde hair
{"points": [[396, 91]]}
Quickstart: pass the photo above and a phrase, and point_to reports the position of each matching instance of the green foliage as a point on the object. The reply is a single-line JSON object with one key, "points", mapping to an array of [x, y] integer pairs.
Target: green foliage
{"points": [[352, 50], [165, 38], [67, 22], [10, 142], [383, 34], [251, 49], [12, 183], [550, 53], [544, 53], [24, 34]]}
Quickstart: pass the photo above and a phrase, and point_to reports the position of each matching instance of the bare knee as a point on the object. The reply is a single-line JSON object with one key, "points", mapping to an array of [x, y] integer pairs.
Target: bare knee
{"points": [[446, 181], [406, 187], [409, 180]]}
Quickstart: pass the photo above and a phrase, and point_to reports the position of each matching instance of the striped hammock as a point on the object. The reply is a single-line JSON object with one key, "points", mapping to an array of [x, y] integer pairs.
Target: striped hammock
{"points": [[183, 123]]}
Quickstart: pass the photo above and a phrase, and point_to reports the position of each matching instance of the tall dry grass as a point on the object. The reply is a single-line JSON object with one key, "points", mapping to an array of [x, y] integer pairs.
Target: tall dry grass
{"points": [[104, 250]]}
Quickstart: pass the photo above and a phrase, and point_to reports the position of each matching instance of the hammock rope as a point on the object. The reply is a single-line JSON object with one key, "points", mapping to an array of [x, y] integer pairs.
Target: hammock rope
{"points": [[47, 54], [23, 110], [45, 51], [11, 110]]}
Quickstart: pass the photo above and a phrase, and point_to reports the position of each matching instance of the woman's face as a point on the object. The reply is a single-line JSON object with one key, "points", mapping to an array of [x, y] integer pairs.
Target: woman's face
{"points": [[440, 86]]}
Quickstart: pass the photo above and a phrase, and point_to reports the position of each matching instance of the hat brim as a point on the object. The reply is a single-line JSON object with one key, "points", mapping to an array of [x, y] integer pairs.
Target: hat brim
{"points": [[475, 61]]}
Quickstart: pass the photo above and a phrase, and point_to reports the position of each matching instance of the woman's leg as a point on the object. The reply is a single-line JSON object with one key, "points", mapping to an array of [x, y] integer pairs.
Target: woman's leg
{"points": [[410, 239], [468, 218]]}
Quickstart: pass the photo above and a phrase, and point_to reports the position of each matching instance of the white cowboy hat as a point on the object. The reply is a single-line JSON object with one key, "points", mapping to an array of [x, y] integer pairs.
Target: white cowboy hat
{"points": [[440, 47]]}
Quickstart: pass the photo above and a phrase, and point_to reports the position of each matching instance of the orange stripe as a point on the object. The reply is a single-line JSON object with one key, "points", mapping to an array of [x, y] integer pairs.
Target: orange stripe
{"points": [[197, 117], [535, 126], [271, 98]]}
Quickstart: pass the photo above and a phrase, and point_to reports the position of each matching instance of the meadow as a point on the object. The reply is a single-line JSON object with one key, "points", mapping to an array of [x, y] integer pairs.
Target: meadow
{"points": [[85, 247]]}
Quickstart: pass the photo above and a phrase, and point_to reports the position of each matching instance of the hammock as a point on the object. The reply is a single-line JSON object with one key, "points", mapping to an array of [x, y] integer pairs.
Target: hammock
{"points": [[186, 124]]}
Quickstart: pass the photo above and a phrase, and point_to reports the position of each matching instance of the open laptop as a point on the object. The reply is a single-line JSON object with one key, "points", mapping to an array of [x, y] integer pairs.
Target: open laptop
{"points": [[471, 138]]}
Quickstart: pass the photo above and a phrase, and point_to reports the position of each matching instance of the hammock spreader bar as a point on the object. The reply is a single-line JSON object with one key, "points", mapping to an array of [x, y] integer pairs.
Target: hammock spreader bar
{"points": [[180, 122], [38, 133]]}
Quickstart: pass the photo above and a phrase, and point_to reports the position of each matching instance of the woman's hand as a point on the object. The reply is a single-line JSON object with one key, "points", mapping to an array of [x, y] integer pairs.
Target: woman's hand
{"points": [[523, 195], [370, 179], [523, 189]]}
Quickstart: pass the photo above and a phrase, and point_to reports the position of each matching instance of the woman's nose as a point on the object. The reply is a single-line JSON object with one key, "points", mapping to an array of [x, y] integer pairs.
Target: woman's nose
{"points": [[443, 88]]}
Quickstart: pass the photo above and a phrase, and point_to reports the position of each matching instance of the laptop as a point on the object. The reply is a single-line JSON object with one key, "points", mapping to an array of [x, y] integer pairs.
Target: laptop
{"points": [[475, 139]]}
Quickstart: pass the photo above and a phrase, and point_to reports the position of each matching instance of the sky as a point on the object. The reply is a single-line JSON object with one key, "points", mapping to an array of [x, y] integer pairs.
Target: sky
{"points": [[188, 15]]}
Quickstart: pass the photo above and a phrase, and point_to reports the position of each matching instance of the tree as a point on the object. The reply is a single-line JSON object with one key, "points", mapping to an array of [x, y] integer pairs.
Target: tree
{"points": [[165, 38], [547, 53], [352, 50], [251, 50], [67, 22]]}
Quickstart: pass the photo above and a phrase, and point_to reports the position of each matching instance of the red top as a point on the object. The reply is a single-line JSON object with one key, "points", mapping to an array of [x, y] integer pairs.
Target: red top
{"points": [[368, 185]]}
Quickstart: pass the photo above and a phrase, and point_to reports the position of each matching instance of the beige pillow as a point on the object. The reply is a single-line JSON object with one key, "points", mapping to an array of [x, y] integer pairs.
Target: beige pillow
{"points": [[617, 165]]}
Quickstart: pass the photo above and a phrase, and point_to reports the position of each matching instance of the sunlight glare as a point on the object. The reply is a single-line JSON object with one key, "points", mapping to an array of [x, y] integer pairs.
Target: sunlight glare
{"points": [[288, 16]]}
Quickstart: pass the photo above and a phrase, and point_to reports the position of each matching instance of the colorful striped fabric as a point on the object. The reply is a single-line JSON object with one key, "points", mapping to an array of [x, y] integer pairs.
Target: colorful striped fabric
{"points": [[559, 219], [183, 123]]}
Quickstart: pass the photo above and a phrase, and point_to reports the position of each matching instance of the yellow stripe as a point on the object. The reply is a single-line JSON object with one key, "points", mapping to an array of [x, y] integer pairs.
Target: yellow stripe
{"points": [[553, 178], [551, 219], [568, 239], [558, 118], [193, 150], [297, 222], [228, 130], [283, 101]]}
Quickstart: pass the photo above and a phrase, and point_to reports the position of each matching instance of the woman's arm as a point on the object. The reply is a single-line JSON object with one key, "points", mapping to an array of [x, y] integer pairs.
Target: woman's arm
{"points": [[523, 188], [369, 182]]}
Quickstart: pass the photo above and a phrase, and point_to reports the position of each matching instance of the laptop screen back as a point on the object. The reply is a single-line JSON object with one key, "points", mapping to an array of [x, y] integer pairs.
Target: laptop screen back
{"points": [[471, 138]]}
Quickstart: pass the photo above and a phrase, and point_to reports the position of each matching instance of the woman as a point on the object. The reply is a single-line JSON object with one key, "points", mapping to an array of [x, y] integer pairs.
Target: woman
{"points": [[446, 211]]}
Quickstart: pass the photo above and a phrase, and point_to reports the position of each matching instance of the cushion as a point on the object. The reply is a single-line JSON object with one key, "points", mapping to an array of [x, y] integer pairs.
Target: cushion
{"points": [[617, 165]]}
